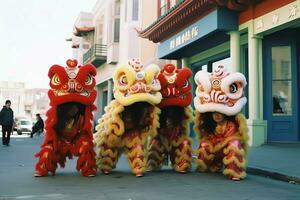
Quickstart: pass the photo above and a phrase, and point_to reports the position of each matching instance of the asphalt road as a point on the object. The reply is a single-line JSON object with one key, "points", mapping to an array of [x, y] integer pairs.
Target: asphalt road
{"points": [[17, 181]]}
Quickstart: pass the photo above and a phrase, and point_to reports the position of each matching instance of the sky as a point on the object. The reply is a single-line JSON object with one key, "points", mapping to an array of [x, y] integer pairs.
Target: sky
{"points": [[32, 37]]}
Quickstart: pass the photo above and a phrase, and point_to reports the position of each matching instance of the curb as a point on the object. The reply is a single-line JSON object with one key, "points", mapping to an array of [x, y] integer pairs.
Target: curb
{"points": [[274, 175]]}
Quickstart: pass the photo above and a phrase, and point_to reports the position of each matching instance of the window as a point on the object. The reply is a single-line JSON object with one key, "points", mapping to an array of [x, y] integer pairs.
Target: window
{"points": [[282, 80], [117, 8], [126, 7], [117, 30], [135, 10], [163, 7], [116, 22]]}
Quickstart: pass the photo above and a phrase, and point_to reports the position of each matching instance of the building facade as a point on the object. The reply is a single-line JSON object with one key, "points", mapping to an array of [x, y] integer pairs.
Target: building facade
{"points": [[15, 92], [36, 101], [259, 38], [108, 37], [25, 102]]}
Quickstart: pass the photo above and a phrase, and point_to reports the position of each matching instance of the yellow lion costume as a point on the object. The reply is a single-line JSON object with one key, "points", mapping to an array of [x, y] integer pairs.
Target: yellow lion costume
{"points": [[129, 119]]}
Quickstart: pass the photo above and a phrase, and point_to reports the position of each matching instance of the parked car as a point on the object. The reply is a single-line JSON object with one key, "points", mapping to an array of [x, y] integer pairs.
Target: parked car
{"points": [[23, 125]]}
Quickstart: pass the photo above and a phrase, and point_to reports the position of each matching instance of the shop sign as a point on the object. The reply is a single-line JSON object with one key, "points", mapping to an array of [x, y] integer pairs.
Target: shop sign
{"points": [[283, 15]]}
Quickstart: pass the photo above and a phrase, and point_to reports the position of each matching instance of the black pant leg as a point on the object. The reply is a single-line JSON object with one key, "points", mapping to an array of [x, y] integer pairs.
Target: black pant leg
{"points": [[3, 135], [9, 129]]}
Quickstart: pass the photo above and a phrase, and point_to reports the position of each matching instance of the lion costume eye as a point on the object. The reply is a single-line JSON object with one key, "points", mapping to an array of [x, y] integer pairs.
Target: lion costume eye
{"points": [[123, 80], [186, 84], [55, 80], [233, 88], [89, 80]]}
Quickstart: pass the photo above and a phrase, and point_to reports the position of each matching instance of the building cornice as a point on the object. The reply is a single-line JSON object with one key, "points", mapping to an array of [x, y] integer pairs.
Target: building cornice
{"points": [[185, 13]]}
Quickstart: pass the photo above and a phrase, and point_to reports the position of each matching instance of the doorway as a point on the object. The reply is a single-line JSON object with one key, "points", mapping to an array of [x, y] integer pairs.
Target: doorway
{"points": [[281, 86]]}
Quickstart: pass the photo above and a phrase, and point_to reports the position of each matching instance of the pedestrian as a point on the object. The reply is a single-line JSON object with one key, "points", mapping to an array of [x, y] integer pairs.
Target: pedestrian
{"points": [[38, 127], [7, 121]]}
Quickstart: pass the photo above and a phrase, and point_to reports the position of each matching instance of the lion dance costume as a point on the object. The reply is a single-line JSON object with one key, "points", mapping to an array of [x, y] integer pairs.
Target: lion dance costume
{"points": [[172, 139], [69, 120], [129, 119], [225, 143]]}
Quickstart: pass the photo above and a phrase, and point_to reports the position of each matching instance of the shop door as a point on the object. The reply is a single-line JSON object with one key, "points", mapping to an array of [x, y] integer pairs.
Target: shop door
{"points": [[281, 89]]}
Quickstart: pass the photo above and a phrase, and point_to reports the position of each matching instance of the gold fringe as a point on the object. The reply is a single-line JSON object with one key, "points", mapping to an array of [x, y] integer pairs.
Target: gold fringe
{"points": [[109, 153], [201, 166], [230, 172], [243, 131], [110, 131], [236, 161], [188, 118], [205, 154], [241, 135], [240, 152]]}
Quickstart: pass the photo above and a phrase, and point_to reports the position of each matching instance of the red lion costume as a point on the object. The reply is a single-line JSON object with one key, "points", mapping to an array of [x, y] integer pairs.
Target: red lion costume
{"points": [[72, 95], [176, 114]]}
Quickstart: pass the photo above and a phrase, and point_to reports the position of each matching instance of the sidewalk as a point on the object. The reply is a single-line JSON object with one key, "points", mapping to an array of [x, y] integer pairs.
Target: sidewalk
{"points": [[277, 160]]}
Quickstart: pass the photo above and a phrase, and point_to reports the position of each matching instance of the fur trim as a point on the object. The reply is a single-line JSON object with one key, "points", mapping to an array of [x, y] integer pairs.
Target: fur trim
{"points": [[235, 160], [232, 173], [218, 107], [201, 165], [202, 80]]}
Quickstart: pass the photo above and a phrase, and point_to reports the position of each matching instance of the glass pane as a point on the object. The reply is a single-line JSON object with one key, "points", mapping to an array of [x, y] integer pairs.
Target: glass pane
{"points": [[117, 7], [282, 97], [281, 63], [117, 30], [135, 10]]}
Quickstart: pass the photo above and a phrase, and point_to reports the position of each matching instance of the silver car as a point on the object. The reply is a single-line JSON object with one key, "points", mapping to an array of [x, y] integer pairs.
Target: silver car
{"points": [[23, 125]]}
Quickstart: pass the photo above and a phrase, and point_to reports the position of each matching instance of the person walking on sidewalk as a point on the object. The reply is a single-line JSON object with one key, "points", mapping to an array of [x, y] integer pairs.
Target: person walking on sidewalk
{"points": [[6, 120], [38, 127]]}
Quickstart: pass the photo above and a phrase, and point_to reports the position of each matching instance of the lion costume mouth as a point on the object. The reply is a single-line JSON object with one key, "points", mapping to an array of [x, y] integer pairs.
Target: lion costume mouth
{"points": [[134, 85], [62, 93]]}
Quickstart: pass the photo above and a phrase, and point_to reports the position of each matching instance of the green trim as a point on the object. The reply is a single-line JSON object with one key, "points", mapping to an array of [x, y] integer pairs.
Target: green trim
{"points": [[210, 52], [222, 48], [243, 27]]}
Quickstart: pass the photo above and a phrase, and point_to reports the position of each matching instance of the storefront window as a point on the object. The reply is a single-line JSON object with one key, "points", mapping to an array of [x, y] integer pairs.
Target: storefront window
{"points": [[281, 80]]}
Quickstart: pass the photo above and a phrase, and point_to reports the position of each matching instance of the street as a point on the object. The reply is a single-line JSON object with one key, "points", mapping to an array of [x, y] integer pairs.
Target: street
{"points": [[17, 181]]}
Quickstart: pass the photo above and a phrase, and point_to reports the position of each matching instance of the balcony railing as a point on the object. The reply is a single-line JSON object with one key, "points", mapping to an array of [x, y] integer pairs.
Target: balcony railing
{"points": [[96, 55]]}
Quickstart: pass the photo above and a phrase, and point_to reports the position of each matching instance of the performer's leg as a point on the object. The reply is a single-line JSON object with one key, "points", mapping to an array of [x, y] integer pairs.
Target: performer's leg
{"points": [[9, 130], [234, 160], [134, 147], [183, 155], [216, 164], [3, 135], [47, 161], [107, 157], [86, 162], [32, 132], [156, 154], [204, 157]]}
